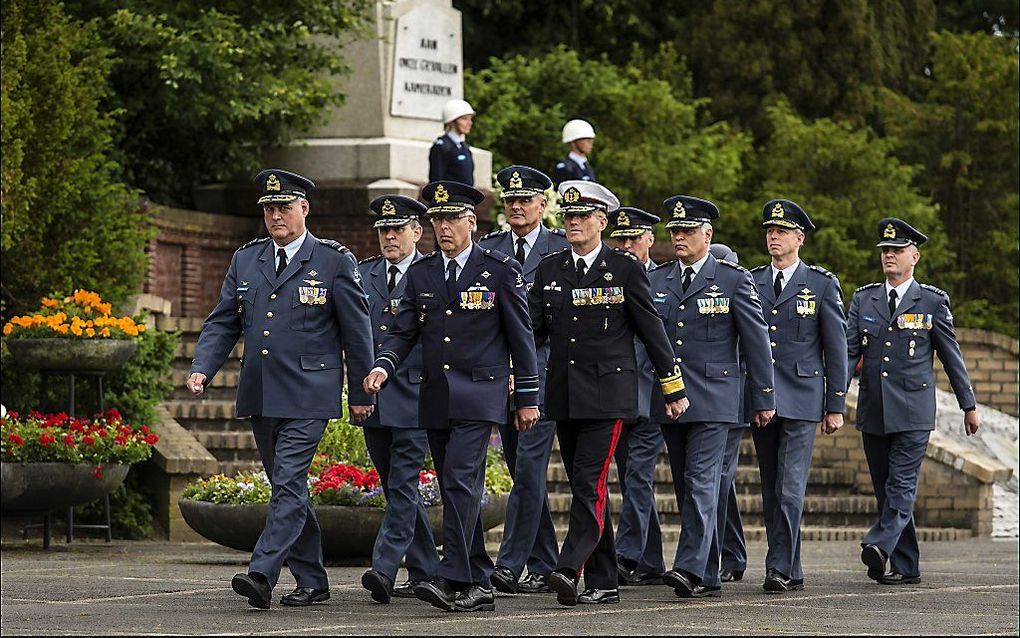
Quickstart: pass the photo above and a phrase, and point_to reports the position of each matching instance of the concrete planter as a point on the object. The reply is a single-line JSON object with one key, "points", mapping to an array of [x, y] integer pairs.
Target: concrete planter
{"points": [[347, 532], [72, 354], [42, 487]]}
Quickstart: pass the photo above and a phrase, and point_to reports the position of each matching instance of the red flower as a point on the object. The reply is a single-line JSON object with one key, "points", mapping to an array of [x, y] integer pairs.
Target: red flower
{"points": [[69, 440], [102, 433], [53, 420], [15, 438], [113, 415], [78, 425], [86, 440], [34, 414], [99, 471], [145, 429], [46, 439], [12, 415], [152, 439], [120, 440]]}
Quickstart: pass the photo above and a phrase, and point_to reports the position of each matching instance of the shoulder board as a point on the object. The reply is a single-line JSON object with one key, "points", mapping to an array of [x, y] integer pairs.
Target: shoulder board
{"points": [[664, 265], [495, 254], [560, 164], [935, 289], [430, 255], [495, 233], [558, 231], [626, 253], [762, 267], [866, 286], [823, 271], [369, 259], [334, 244], [732, 265], [556, 253], [439, 141], [253, 242]]}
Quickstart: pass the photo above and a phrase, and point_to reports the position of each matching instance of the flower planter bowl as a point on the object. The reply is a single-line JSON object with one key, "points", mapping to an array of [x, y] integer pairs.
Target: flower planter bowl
{"points": [[97, 355], [27, 487]]}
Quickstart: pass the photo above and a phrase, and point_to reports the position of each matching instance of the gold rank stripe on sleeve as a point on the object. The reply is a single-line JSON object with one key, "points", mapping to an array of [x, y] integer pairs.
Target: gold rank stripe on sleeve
{"points": [[673, 383]]}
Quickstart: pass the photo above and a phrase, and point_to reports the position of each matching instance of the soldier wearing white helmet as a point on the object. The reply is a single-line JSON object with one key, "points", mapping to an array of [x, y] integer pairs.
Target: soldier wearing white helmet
{"points": [[581, 137], [450, 157]]}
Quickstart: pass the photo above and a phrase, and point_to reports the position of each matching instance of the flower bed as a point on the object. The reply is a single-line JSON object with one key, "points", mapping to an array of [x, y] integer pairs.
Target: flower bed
{"points": [[83, 315]]}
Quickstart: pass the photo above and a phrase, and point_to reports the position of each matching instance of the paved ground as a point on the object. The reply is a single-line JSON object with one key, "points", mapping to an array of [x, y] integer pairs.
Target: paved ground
{"points": [[90, 588]]}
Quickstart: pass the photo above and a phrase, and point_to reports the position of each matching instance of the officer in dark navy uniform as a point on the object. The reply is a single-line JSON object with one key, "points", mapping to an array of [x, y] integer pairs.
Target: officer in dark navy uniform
{"points": [[713, 316], [638, 535], [467, 305], [803, 306], [395, 442], [897, 327], [580, 136], [298, 303], [450, 156], [529, 537], [590, 302]]}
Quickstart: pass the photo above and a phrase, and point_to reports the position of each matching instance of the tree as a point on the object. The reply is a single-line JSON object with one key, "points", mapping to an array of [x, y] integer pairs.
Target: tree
{"points": [[989, 16]]}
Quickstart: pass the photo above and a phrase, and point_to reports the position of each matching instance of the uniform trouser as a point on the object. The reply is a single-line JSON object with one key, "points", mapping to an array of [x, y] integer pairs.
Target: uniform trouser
{"points": [[292, 534], [895, 462], [728, 521], [459, 454], [397, 454], [638, 536], [784, 449], [529, 536], [696, 453], [589, 548]]}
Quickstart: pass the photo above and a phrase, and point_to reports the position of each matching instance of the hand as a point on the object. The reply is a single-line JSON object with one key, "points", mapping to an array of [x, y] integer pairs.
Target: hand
{"points": [[374, 381], [525, 419], [763, 417], [832, 422], [971, 422], [196, 383], [675, 408], [511, 384], [361, 412]]}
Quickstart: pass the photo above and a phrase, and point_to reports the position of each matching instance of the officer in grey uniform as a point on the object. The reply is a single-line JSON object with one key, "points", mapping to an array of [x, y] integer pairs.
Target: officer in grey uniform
{"points": [[803, 306], [897, 327], [713, 317], [395, 442], [638, 535], [529, 537], [298, 303]]}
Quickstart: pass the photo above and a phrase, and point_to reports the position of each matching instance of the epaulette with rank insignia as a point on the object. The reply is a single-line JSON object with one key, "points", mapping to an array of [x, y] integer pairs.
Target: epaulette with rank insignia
{"points": [[625, 252], [370, 259], [762, 267], [823, 271], [495, 254], [555, 253], [935, 289], [558, 231], [663, 265], [495, 233], [732, 265], [866, 286], [253, 242], [334, 244]]}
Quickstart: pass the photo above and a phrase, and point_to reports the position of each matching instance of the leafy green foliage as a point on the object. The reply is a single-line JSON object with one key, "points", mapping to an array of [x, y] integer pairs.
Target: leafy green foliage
{"points": [[131, 512], [144, 380], [244, 489]]}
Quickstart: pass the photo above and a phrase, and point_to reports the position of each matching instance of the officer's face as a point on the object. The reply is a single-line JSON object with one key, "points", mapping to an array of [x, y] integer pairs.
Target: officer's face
{"points": [[583, 146], [783, 241], [524, 213], [397, 242], [898, 261], [286, 222], [453, 232], [462, 125], [640, 245], [584, 230], [691, 244]]}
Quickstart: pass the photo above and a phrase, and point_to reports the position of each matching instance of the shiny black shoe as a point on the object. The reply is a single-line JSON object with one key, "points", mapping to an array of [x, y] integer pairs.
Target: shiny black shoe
{"points": [[701, 591], [727, 575], [875, 559], [406, 589], [680, 582], [623, 570], [638, 578], [778, 583], [533, 584], [437, 592], [599, 597], [896, 578], [379, 584], [253, 587], [475, 598], [304, 596], [565, 588], [504, 580]]}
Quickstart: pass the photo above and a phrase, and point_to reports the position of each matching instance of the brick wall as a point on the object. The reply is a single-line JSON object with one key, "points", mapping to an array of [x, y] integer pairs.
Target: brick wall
{"points": [[992, 361]]}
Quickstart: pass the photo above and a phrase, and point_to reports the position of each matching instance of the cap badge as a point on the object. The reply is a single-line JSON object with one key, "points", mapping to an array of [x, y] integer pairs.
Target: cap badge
{"points": [[890, 232], [777, 210], [441, 196], [388, 208], [273, 183], [679, 210], [622, 219], [572, 196], [516, 181]]}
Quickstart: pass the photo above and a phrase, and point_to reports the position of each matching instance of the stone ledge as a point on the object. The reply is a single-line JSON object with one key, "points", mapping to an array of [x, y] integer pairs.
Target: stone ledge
{"points": [[178, 451], [974, 464]]}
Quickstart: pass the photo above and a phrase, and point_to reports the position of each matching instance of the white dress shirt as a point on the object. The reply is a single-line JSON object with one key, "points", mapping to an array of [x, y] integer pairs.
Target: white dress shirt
{"points": [[579, 159], [291, 249], [901, 290], [787, 273], [529, 241], [402, 267], [461, 260], [589, 259]]}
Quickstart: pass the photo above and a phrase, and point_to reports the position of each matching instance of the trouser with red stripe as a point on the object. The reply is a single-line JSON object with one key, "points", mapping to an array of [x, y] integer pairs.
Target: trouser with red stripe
{"points": [[589, 548]]}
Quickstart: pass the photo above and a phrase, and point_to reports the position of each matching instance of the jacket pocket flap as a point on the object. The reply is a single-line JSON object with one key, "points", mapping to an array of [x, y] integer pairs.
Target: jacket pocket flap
{"points": [[613, 367], [490, 373], [726, 370], [414, 375], [320, 361], [805, 369]]}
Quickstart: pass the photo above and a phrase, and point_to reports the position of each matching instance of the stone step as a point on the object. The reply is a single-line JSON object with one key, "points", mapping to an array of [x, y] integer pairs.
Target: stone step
{"points": [[186, 350], [191, 409], [189, 326], [232, 468], [749, 503], [226, 440], [223, 379], [746, 475], [242, 424]]}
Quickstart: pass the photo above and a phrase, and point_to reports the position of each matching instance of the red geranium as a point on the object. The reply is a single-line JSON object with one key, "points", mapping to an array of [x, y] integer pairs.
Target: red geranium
{"points": [[69, 440], [15, 438], [152, 438], [88, 440], [46, 439]]}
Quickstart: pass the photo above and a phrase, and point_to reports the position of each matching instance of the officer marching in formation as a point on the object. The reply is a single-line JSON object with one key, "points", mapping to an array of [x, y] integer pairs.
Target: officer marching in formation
{"points": [[711, 310], [580, 136], [529, 537], [590, 302], [395, 443], [638, 536], [298, 303], [897, 326], [803, 306], [467, 306], [450, 157]]}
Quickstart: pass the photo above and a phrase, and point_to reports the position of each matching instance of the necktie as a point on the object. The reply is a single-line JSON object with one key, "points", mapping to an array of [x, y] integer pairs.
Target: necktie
{"points": [[777, 285], [451, 278], [580, 269], [282, 262], [392, 283], [519, 256], [892, 302], [688, 276]]}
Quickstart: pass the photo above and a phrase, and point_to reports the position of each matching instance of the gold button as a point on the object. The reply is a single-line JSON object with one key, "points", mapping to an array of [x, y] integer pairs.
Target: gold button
{"points": [[772, 328], [680, 324], [322, 365], [446, 366], [575, 318], [725, 372], [888, 344], [449, 312], [272, 296], [679, 343], [772, 343], [270, 314], [885, 374], [679, 360], [265, 333], [446, 339], [773, 361], [890, 328], [573, 340], [383, 328], [618, 369], [885, 358], [775, 312], [571, 362], [681, 306], [265, 352]]}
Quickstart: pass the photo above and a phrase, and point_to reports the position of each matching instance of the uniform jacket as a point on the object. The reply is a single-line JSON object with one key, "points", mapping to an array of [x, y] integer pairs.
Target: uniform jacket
{"points": [[593, 371], [467, 341], [567, 169], [398, 401], [711, 326], [897, 391], [646, 373], [449, 160], [299, 330], [807, 330]]}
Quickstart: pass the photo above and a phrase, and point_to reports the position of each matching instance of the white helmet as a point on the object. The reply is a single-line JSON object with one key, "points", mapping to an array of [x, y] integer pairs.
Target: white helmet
{"points": [[577, 130], [454, 109]]}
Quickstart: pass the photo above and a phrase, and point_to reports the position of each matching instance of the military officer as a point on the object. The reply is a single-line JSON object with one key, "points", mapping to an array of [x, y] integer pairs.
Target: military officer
{"points": [[590, 302], [803, 306], [580, 136], [467, 305], [638, 536], [395, 442], [710, 308], [298, 303], [529, 537], [897, 326], [450, 157]]}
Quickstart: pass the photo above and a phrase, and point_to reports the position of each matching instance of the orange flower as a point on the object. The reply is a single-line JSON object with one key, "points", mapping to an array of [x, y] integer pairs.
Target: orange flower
{"points": [[89, 332], [50, 303]]}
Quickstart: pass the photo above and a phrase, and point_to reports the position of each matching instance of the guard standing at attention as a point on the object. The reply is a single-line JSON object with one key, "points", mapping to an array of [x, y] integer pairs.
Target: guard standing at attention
{"points": [[450, 156], [580, 136]]}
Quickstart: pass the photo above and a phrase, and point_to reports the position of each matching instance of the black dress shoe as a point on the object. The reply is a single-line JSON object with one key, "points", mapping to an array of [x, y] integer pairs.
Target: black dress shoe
{"points": [[681, 583], [623, 569], [304, 596], [875, 559], [405, 590], [896, 578], [638, 578], [701, 591], [253, 587], [379, 584], [599, 597], [727, 575], [565, 588], [533, 584], [778, 583], [437, 592], [504, 580], [475, 598]]}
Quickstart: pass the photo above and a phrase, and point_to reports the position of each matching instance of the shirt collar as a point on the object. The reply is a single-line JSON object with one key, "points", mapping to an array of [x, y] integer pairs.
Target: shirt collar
{"points": [[461, 259], [292, 247], [455, 136], [787, 272], [401, 265], [530, 238], [579, 159], [901, 290], [589, 259], [696, 265]]}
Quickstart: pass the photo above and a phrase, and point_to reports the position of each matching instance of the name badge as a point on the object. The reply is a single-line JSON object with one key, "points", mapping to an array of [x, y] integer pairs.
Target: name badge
{"points": [[914, 321], [805, 308], [597, 296], [717, 306], [478, 300], [312, 296]]}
